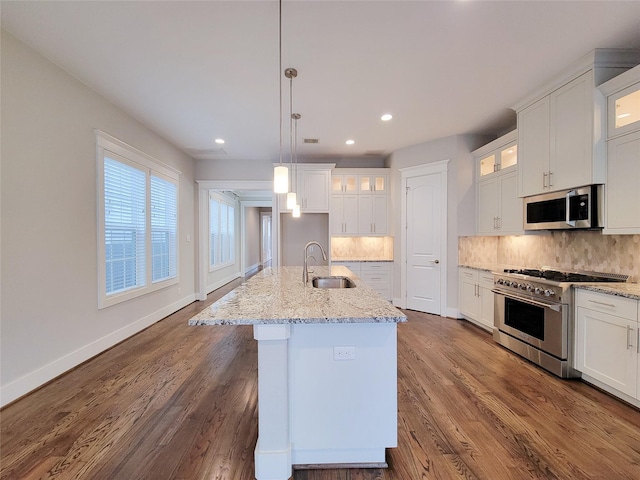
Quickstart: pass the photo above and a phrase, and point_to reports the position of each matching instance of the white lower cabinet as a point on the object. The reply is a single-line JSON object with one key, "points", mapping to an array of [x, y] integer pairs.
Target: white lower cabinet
{"points": [[607, 350], [475, 296], [376, 275]]}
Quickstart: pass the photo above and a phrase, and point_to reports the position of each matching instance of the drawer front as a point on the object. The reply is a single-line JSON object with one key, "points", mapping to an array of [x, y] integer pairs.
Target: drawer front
{"points": [[375, 267], [612, 304], [371, 278], [485, 279], [468, 274]]}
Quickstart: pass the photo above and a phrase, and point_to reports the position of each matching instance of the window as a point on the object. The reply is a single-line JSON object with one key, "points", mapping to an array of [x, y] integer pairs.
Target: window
{"points": [[137, 222], [221, 231]]}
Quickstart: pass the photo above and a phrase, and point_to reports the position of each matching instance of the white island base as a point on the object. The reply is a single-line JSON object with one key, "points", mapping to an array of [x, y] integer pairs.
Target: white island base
{"points": [[327, 369], [317, 405]]}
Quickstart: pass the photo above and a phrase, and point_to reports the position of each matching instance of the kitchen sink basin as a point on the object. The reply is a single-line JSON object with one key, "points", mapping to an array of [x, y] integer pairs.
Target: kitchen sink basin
{"points": [[332, 282]]}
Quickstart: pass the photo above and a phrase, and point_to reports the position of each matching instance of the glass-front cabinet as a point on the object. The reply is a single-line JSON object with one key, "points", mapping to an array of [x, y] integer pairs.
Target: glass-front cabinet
{"points": [[624, 111], [497, 155], [373, 183], [623, 102]]}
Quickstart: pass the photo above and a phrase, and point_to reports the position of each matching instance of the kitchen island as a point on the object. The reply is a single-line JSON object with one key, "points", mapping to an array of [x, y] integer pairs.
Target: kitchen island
{"points": [[327, 369]]}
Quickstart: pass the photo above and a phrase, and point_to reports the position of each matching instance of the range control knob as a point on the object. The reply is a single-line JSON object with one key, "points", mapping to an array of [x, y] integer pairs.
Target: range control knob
{"points": [[549, 293], [529, 287], [513, 284], [522, 286], [537, 290], [500, 281]]}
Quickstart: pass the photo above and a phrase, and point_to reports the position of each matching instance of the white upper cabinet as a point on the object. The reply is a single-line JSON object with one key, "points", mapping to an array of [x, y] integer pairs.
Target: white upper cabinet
{"points": [[560, 126], [312, 188], [372, 183], [622, 195], [556, 139], [360, 201], [344, 183], [497, 156], [499, 210], [623, 103]]}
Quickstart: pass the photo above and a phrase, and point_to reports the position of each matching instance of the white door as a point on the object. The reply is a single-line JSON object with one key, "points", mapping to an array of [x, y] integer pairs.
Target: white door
{"points": [[423, 243]]}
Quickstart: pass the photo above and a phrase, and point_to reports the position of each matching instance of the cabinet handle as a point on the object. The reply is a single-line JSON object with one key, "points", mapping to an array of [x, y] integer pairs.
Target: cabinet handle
{"points": [[638, 342], [629, 330], [499, 222], [603, 304], [550, 182], [544, 179]]}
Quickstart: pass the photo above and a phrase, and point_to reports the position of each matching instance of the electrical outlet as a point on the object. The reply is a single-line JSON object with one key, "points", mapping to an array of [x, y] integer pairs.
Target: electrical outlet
{"points": [[344, 353]]}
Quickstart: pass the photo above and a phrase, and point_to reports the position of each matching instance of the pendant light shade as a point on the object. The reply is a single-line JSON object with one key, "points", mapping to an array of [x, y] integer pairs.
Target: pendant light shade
{"points": [[281, 179], [291, 200], [296, 211]]}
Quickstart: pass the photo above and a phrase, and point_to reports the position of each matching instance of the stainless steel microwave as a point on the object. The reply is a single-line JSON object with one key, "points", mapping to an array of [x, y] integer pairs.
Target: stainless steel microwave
{"points": [[567, 209]]}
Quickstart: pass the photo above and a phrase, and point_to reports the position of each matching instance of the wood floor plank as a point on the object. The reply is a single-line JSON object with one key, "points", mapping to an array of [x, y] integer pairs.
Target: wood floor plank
{"points": [[180, 402]]}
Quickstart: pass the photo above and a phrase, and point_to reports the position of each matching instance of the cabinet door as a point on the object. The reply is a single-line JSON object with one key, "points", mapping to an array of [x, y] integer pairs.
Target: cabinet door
{"points": [[623, 178], [350, 214], [468, 293], [511, 207], [487, 206], [533, 145], [624, 111], [380, 214], [314, 188], [571, 163], [373, 183], [336, 215], [344, 183], [606, 349], [365, 214], [486, 305]]}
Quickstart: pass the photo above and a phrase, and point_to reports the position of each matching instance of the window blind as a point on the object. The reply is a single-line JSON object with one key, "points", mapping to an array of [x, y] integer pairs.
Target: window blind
{"points": [[164, 226], [124, 226]]}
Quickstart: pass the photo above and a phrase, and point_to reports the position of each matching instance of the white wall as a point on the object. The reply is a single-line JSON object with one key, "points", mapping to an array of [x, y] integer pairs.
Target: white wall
{"points": [[460, 198], [297, 232], [50, 319]]}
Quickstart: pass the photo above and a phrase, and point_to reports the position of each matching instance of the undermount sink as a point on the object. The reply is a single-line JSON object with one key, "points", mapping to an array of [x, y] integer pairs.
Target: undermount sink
{"points": [[332, 282]]}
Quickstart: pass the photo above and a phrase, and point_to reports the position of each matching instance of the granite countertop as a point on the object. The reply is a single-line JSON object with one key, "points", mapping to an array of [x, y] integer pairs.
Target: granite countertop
{"points": [[628, 290], [278, 296], [356, 259], [486, 267]]}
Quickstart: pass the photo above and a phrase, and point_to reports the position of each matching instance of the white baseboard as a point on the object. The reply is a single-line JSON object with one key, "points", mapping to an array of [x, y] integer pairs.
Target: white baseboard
{"points": [[252, 267], [37, 378], [222, 282], [399, 302]]}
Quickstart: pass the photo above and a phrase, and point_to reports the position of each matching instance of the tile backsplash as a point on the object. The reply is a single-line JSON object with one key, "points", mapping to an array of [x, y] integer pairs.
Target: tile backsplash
{"points": [[362, 248], [564, 250]]}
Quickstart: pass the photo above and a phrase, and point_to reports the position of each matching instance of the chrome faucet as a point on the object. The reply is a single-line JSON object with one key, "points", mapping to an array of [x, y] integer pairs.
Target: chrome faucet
{"points": [[305, 270]]}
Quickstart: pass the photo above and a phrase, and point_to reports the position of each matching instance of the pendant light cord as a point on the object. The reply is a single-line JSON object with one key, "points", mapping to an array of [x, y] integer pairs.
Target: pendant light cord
{"points": [[280, 70]]}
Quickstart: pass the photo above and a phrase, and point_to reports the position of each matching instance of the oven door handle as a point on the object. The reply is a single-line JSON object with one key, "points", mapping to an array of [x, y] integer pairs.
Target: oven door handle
{"points": [[551, 306]]}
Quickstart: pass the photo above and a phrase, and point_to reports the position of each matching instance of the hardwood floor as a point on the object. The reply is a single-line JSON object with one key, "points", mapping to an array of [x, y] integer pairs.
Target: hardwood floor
{"points": [[179, 402]]}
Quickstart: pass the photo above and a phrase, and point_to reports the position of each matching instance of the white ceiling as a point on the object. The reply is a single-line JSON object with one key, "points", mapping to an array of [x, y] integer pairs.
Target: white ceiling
{"points": [[194, 71]]}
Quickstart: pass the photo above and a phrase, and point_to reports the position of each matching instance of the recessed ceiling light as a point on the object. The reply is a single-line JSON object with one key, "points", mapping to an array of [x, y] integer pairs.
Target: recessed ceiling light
{"points": [[219, 141], [350, 142], [386, 117]]}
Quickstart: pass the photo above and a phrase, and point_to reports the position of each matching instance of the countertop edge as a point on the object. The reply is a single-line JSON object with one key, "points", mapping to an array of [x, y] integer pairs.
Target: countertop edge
{"points": [[627, 290]]}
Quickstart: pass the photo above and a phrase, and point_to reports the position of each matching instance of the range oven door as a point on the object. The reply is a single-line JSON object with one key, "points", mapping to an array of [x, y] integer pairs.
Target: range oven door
{"points": [[543, 325]]}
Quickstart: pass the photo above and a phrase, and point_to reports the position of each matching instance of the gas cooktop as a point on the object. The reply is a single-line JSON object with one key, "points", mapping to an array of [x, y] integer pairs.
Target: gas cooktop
{"points": [[573, 277]]}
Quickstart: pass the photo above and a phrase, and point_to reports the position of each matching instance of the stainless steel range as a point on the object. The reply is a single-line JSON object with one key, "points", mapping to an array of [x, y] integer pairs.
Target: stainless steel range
{"points": [[534, 314]]}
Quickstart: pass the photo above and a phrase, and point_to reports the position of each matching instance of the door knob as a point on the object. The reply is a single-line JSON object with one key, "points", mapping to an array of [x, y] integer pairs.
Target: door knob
{"points": [[436, 261]]}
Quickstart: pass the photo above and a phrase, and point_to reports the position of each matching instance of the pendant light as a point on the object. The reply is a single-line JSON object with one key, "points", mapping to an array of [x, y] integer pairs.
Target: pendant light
{"points": [[295, 117], [281, 172], [291, 73]]}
